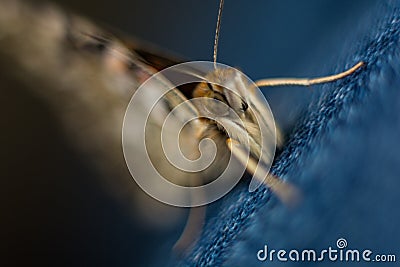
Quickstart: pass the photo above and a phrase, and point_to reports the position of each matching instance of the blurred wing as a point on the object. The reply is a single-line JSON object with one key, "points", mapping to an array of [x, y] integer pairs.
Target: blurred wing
{"points": [[87, 77]]}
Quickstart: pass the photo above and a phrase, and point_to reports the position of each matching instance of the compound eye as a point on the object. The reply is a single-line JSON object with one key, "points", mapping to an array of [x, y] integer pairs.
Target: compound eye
{"points": [[245, 106]]}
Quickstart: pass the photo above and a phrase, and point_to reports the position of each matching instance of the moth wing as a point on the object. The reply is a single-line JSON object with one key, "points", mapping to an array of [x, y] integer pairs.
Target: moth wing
{"points": [[85, 76]]}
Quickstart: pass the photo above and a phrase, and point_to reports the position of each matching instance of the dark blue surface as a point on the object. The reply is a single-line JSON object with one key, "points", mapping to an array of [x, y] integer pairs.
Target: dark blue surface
{"points": [[343, 155]]}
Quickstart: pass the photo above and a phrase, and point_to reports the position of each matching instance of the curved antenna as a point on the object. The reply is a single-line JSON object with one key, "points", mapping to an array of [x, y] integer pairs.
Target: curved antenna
{"points": [[217, 30], [308, 81]]}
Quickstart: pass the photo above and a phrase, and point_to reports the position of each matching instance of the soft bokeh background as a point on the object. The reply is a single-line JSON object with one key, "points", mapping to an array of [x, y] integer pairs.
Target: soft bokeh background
{"points": [[43, 223]]}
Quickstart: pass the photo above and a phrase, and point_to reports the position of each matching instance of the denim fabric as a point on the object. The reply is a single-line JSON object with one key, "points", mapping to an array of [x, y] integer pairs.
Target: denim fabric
{"points": [[343, 155]]}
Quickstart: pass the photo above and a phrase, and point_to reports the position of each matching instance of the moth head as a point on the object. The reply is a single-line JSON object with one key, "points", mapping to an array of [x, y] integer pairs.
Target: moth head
{"points": [[237, 105], [227, 86]]}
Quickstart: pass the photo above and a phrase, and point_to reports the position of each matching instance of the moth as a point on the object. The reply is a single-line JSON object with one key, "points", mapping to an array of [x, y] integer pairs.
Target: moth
{"points": [[88, 75], [228, 137]]}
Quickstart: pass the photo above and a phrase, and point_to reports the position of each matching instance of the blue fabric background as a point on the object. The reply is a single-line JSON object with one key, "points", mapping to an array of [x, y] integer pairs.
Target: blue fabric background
{"points": [[343, 155]]}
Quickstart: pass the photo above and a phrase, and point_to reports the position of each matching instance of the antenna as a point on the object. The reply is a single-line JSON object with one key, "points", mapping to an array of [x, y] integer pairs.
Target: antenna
{"points": [[217, 30]]}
